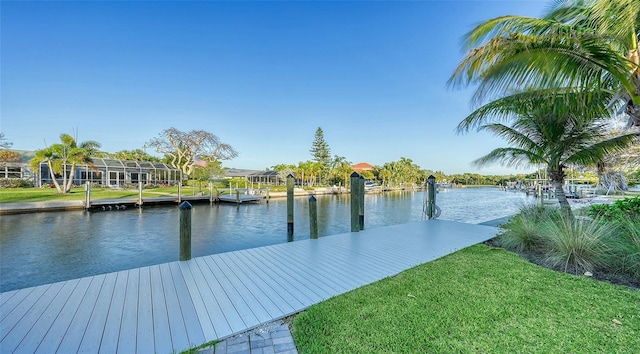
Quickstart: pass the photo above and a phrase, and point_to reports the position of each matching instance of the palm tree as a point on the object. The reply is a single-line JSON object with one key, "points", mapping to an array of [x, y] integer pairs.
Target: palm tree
{"points": [[340, 169], [591, 44], [554, 128], [62, 155]]}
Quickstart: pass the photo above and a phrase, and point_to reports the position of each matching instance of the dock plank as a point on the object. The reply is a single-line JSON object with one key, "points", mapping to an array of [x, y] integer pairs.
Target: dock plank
{"points": [[262, 294], [248, 306], [97, 326], [26, 320], [47, 318], [79, 325], [111, 334], [15, 308], [145, 342], [128, 326], [219, 308], [160, 315], [280, 295], [193, 326], [61, 324]]}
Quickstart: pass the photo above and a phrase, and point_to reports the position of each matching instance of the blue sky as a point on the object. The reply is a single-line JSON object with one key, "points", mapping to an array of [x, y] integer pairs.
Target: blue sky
{"points": [[262, 76]]}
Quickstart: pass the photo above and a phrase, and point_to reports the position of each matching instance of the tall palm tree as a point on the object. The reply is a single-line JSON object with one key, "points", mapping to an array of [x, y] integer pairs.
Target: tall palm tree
{"points": [[554, 128], [591, 44], [60, 156]]}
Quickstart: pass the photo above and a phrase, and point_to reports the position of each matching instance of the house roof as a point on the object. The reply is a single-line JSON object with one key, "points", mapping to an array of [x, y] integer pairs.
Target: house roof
{"points": [[362, 166]]}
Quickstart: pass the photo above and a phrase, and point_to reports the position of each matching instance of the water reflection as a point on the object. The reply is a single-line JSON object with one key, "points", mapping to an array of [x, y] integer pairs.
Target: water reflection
{"points": [[42, 248]]}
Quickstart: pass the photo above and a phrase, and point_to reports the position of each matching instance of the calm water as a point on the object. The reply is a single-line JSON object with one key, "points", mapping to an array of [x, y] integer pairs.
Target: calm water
{"points": [[47, 247]]}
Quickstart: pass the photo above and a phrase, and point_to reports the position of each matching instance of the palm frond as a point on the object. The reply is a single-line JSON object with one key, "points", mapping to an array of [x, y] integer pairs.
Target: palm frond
{"points": [[509, 157]]}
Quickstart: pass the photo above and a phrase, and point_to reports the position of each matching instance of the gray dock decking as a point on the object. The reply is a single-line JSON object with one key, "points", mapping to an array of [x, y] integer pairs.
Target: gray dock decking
{"points": [[173, 306]]}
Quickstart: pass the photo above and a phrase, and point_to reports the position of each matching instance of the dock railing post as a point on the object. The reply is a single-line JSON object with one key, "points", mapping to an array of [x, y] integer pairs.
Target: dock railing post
{"points": [[361, 203], [313, 217], [290, 207], [139, 194], [185, 231], [87, 196], [431, 197], [355, 202]]}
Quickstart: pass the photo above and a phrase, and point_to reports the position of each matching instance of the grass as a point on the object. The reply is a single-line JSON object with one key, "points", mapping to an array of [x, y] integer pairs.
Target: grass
{"points": [[196, 350], [19, 195], [480, 299]]}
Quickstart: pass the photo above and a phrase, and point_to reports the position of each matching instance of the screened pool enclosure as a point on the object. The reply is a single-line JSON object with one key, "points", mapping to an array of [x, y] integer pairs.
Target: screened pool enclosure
{"points": [[115, 173]]}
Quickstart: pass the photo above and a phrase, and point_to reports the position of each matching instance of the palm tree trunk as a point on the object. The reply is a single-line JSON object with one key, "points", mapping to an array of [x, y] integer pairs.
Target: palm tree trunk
{"points": [[557, 180], [67, 186], [53, 177]]}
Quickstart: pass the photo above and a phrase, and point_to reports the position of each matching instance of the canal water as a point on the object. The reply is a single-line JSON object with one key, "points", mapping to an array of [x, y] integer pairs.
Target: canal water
{"points": [[47, 247]]}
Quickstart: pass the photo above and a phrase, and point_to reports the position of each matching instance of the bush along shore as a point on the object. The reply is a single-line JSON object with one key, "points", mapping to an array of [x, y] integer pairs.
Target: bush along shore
{"points": [[603, 242]]}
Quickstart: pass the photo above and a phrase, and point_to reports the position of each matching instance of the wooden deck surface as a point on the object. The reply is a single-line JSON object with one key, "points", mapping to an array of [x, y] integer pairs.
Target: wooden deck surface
{"points": [[172, 306]]}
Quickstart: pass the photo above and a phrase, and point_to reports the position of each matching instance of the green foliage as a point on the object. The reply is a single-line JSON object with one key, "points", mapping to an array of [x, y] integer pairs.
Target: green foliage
{"points": [[134, 155], [576, 245], [628, 207], [625, 243], [478, 300], [609, 243], [15, 183], [522, 232], [320, 150]]}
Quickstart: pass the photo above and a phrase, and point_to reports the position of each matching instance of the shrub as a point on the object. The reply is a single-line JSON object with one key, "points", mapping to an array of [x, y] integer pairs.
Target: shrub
{"points": [[15, 183], [576, 245], [628, 207], [522, 232], [627, 248]]}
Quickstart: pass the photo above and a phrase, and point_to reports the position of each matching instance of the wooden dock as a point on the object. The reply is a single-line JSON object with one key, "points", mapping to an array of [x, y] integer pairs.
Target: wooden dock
{"points": [[240, 198], [172, 306]]}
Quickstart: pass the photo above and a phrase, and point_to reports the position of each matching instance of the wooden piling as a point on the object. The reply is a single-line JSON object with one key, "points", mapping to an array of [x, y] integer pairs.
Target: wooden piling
{"points": [[87, 196], [210, 193], [431, 197], [313, 217], [139, 194], [179, 192], [361, 203], [237, 197], [185, 231], [355, 202], [290, 207]]}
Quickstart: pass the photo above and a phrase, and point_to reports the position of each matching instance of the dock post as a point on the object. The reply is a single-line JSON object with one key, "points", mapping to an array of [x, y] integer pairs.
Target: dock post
{"points": [[139, 194], [237, 197], [185, 231], [431, 197], [290, 207], [87, 196], [361, 203], [355, 202], [210, 193], [313, 217], [179, 192], [267, 195]]}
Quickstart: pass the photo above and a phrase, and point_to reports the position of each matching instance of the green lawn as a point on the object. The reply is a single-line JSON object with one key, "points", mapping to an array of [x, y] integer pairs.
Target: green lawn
{"points": [[17, 195], [477, 300]]}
